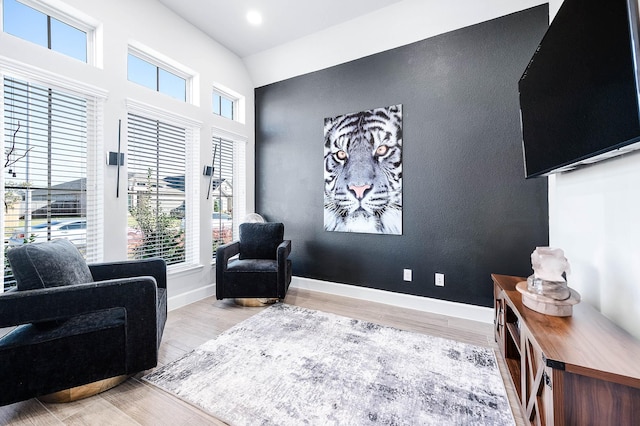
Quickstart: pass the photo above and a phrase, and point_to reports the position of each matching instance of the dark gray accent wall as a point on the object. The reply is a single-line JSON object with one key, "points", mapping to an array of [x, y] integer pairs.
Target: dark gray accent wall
{"points": [[468, 211]]}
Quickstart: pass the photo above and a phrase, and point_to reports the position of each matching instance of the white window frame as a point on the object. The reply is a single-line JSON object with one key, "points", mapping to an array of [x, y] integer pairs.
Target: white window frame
{"points": [[164, 62], [95, 142], [75, 18], [239, 102], [192, 176]]}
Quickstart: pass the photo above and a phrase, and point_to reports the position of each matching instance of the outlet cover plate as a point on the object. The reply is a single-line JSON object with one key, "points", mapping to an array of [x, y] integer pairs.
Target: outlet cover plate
{"points": [[407, 274]]}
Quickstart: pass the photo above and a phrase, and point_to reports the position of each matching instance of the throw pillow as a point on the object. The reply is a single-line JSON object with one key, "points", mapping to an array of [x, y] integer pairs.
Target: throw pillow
{"points": [[48, 264]]}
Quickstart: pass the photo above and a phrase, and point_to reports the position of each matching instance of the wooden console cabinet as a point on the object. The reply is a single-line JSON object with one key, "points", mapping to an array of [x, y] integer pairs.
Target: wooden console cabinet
{"points": [[577, 370]]}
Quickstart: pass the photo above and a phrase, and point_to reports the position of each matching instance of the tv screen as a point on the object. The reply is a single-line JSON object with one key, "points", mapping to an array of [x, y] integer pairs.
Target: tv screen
{"points": [[579, 93]]}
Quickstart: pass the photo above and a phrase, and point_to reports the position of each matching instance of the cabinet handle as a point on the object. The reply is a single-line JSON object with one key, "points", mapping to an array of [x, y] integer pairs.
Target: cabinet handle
{"points": [[547, 379]]}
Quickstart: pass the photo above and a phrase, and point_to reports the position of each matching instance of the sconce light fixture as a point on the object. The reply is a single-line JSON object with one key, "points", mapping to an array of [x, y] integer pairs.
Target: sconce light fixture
{"points": [[112, 158]]}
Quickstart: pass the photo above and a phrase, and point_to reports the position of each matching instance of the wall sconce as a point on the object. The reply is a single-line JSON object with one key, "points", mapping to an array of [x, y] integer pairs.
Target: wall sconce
{"points": [[112, 158], [208, 171]]}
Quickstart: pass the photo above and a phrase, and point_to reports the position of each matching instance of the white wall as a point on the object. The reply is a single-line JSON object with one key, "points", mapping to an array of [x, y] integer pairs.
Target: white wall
{"points": [[393, 26], [594, 215], [152, 24]]}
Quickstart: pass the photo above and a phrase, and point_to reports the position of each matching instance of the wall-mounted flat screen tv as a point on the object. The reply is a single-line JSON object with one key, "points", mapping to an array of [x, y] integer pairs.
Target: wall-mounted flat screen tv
{"points": [[579, 100]]}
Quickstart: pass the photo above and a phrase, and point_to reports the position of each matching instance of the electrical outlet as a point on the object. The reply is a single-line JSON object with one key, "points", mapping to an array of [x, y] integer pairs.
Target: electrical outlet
{"points": [[439, 279], [408, 275]]}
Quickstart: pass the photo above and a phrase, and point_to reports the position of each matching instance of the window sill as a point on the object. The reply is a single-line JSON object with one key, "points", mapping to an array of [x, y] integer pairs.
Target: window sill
{"points": [[179, 270]]}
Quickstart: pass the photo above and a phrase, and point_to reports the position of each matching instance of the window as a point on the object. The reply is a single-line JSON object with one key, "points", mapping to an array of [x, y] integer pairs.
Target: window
{"points": [[227, 190], [156, 77], [222, 192], [224, 105], [62, 33], [49, 139], [158, 206]]}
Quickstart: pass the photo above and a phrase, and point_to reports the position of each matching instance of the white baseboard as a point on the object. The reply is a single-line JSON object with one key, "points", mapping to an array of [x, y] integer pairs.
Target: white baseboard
{"points": [[184, 299], [420, 303], [424, 304]]}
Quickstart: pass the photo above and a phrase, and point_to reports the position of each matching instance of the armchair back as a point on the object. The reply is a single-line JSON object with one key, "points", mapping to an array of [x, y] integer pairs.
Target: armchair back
{"points": [[260, 240]]}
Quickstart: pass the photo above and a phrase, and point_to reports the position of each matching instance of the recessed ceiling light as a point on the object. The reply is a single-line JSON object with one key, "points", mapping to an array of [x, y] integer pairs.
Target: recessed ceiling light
{"points": [[254, 17]]}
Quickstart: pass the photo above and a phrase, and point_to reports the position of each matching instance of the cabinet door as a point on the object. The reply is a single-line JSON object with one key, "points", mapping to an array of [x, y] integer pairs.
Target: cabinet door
{"points": [[498, 323], [537, 384]]}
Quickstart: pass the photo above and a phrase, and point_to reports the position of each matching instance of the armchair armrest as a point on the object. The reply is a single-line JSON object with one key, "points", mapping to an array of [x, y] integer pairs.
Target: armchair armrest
{"points": [[282, 253], [284, 266], [226, 252], [223, 254], [137, 296], [152, 267]]}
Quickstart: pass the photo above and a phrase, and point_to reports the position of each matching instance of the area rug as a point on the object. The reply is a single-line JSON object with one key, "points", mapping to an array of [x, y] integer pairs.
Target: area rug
{"points": [[289, 365]]}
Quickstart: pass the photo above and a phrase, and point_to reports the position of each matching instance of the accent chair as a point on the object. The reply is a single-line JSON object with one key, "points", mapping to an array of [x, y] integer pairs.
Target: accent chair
{"points": [[263, 267], [72, 324]]}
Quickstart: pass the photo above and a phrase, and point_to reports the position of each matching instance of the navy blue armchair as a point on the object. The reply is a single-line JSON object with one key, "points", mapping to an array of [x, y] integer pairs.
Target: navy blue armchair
{"points": [[263, 267], [71, 334]]}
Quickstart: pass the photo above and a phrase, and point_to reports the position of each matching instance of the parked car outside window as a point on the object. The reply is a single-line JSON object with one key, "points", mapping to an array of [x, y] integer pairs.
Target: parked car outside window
{"points": [[73, 230]]}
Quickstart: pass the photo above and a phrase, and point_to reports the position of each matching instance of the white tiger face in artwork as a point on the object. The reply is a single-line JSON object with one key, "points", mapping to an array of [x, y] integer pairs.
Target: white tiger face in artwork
{"points": [[363, 172]]}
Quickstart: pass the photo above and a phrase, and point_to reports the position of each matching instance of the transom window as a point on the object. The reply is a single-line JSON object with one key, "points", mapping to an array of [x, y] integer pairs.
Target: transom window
{"points": [[39, 27], [155, 76], [224, 105]]}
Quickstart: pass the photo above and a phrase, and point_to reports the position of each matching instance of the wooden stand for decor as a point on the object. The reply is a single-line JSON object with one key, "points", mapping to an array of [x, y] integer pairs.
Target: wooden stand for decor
{"points": [[575, 370], [546, 305]]}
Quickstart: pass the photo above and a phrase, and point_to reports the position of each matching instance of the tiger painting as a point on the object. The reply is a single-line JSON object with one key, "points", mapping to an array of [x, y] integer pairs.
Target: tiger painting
{"points": [[363, 172]]}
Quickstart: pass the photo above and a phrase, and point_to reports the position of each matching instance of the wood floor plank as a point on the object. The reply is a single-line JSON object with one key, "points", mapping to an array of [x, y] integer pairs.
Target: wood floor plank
{"points": [[65, 411], [27, 413], [98, 411], [147, 404]]}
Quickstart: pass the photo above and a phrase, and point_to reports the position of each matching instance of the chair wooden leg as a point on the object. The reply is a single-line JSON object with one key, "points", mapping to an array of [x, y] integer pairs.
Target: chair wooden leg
{"points": [[84, 391], [254, 301]]}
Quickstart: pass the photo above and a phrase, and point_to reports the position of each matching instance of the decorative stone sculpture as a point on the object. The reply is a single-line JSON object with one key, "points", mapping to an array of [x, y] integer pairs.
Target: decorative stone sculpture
{"points": [[546, 291], [549, 270]]}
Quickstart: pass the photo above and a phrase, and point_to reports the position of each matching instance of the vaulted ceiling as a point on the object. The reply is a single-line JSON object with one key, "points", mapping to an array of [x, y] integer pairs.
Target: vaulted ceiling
{"points": [[282, 20]]}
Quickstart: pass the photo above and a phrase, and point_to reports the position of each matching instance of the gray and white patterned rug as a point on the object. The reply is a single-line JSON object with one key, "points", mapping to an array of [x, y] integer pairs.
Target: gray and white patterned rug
{"points": [[289, 365]]}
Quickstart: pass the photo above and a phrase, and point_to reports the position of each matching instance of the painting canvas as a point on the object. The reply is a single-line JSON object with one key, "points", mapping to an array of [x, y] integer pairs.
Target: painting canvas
{"points": [[363, 172]]}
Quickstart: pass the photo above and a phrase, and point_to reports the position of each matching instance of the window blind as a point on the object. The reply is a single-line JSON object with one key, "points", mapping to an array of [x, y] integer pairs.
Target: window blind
{"points": [[49, 174], [240, 187], [226, 186], [156, 190], [222, 191]]}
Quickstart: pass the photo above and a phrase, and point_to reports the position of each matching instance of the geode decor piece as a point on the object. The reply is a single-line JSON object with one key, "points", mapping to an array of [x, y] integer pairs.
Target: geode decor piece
{"points": [[546, 291]]}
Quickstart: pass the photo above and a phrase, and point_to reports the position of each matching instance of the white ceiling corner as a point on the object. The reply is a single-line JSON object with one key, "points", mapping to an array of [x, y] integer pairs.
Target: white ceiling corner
{"points": [[283, 20]]}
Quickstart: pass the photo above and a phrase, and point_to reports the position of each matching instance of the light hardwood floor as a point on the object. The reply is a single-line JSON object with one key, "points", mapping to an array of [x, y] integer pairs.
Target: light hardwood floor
{"points": [[137, 403]]}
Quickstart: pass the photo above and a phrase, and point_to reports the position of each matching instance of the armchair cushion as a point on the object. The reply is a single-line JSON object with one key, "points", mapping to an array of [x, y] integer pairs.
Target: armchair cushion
{"points": [[45, 265], [260, 240], [253, 265], [25, 335]]}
